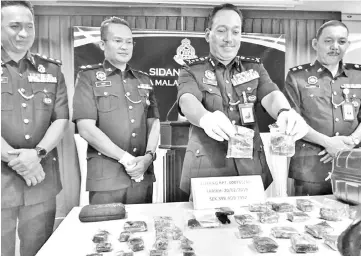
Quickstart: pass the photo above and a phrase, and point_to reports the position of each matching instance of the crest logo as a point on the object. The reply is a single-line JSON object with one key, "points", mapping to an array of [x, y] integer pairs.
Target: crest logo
{"points": [[185, 52]]}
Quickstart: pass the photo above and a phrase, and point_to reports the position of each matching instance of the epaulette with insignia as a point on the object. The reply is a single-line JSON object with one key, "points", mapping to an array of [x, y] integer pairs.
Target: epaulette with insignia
{"points": [[250, 59], [142, 72], [52, 60], [301, 67], [89, 67], [190, 62], [353, 66]]}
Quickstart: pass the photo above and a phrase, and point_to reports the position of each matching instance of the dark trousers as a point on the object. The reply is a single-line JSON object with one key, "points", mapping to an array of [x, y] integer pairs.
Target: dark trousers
{"points": [[35, 225], [304, 188], [139, 193]]}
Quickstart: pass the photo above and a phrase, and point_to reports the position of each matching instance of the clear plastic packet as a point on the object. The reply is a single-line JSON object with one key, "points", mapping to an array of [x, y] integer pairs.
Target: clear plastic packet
{"points": [[249, 230], [297, 216], [333, 210], [265, 244], [124, 236], [241, 145], [104, 247], [283, 232], [186, 244], [260, 207], [136, 243], [304, 205], [319, 230], [189, 253], [123, 253], [202, 219], [243, 219], [268, 217], [354, 211], [158, 253], [282, 207], [95, 254], [161, 243], [101, 236], [303, 243], [280, 143], [135, 226], [331, 241]]}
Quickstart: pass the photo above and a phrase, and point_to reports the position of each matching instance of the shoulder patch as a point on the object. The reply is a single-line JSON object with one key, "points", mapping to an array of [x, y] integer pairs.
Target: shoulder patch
{"points": [[353, 66], [48, 59], [250, 59], [301, 67], [191, 62], [89, 67]]}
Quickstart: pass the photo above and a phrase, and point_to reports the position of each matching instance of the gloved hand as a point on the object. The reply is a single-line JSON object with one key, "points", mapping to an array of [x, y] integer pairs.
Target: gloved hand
{"points": [[126, 158], [217, 125]]}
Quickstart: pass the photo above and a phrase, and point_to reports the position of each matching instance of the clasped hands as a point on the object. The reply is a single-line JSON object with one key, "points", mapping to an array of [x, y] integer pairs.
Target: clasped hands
{"points": [[135, 166], [218, 126], [26, 163]]}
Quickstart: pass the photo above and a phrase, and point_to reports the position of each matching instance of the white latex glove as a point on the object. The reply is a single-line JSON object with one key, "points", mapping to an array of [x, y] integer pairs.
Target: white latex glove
{"points": [[126, 159], [217, 126], [293, 124]]}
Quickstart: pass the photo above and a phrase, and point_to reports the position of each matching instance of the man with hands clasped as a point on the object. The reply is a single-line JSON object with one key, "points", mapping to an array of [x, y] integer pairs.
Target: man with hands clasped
{"points": [[327, 93], [116, 113], [221, 90]]}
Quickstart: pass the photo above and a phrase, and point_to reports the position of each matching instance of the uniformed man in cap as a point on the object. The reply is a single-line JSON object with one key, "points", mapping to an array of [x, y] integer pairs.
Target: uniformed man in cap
{"points": [[34, 116], [327, 94], [116, 112], [219, 91]]}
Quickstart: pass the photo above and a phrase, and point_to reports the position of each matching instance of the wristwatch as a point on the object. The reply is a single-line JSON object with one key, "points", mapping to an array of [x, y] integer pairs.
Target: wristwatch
{"points": [[153, 154], [355, 140], [281, 110], [41, 152]]}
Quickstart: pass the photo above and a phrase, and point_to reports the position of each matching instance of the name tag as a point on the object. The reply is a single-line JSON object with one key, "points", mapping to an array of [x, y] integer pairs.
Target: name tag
{"points": [[103, 83], [232, 191], [41, 78], [244, 77], [145, 86], [209, 81], [351, 86]]}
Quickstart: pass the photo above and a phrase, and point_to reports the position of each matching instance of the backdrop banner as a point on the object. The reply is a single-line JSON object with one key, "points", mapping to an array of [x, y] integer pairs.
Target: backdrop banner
{"points": [[160, 54]]}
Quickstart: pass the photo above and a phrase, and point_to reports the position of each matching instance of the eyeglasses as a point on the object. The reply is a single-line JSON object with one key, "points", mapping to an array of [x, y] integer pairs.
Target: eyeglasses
{"points": [[121, 42]]}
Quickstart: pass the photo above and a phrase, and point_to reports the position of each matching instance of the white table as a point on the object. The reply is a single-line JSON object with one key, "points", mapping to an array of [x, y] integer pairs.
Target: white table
{"points": [[75, 238]]}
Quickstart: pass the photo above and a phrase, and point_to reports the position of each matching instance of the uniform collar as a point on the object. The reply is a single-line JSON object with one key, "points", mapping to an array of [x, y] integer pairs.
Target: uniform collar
{"points": [[109, 68], [5, 58], [341, 68], [215, 62]]}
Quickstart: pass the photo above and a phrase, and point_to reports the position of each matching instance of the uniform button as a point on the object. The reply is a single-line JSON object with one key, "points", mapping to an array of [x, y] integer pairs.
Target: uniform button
{"points": [[233, 122], [128, 94], [45, 90], [248, 88], [99, 153], [134, 134], [335, 106], [332, 81], [229, 95], [124, 81], [27, 136], [132, 120], [231, 109], [23, 105], [210, 89], [227, 81], [147, 94], [130, 107], [134, 149], [337, 133], [106, 93], [334, 93], [336, 119], [197, 151], [54, 159], [22, 90], [354, 95], [26, 120], [21, 75], [303, 145], [311, 95]]}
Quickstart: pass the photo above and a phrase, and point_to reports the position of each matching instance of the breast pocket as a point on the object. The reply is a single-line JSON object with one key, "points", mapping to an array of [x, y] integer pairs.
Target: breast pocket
{"points": [[44, 96], [250, 88], [313, 98], [144, 96], [106, 100], [212, 98], [6, 97]]}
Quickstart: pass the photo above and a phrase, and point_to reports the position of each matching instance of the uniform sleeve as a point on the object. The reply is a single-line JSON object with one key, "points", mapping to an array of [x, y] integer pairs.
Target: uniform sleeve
{"points": [[266, 85], [292, 93], [84, 105], [61, 108], [187, 84], [153, 111]]}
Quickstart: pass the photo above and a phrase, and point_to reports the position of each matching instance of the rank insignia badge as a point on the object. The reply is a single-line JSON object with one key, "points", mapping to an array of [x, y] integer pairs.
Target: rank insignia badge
{"points": [[312, 80], [244, 77], [103, 83], [47, 101], [41, 78], [210, 75], [41, 69], [145, 86], [100, 75], [351, 86]]}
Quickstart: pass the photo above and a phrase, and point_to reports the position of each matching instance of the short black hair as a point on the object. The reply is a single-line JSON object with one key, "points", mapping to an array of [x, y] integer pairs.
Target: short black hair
{"points": [[223, 7], [331, 23], [112, 20], [26, 4]]}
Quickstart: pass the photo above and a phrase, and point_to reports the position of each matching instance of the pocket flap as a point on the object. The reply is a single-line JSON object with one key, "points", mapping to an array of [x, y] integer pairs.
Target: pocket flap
{"points": [[104, 91]]}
